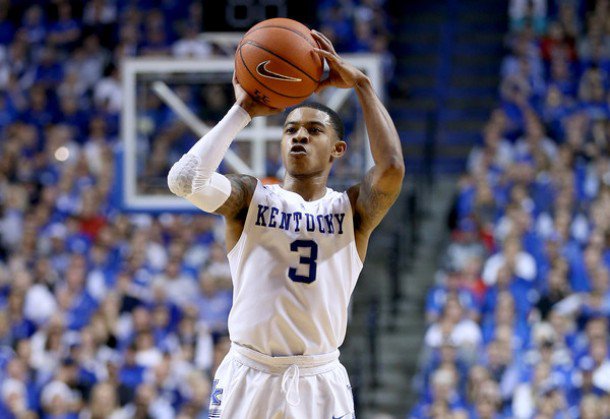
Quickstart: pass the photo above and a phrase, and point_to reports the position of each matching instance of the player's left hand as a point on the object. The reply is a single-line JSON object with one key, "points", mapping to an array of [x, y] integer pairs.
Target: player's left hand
{"points": [[342, 74]]}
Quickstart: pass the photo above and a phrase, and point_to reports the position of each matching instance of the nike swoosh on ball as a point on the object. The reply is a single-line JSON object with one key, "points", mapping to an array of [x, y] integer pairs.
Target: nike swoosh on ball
{"points": [[265, 72]]}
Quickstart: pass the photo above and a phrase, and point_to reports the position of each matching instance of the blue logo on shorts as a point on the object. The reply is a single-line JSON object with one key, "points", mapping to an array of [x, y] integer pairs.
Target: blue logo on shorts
{"points": [[216, 394]]}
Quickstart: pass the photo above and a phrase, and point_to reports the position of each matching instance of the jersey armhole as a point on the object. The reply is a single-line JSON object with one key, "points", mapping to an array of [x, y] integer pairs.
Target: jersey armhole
{"points": [[247, 223], [355, 255]]}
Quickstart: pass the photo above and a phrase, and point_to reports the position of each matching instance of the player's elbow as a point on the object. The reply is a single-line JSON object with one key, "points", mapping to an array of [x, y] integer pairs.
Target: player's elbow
{"points": [[174, 182], [389, 176], [180, 176], [395, 169]]}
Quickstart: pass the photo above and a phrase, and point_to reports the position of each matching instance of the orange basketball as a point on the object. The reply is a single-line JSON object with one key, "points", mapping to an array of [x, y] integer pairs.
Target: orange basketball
{"points": [[276, 64]]}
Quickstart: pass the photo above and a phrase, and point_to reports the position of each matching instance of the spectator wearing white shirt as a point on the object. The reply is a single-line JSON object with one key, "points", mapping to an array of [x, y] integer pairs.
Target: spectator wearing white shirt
{"points": [[179, 288], [218, 264], [13, 388], [40, 304], [520, 262], [534, 140], [601, 372], [453, 325], [99, 12], [89, 61], [500, 149], [465, 246], [108, 94], [526, 394], [11, 224], [531, 12], [46, 346], [58, 398], [191, 45], [147, 354]]}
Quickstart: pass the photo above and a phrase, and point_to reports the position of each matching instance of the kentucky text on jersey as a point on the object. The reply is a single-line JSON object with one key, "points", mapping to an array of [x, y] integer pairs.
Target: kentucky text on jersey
{"points": [[299, 221]]}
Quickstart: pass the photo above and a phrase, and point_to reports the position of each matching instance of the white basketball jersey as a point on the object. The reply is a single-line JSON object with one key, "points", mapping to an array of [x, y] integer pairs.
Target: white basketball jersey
{"points": [[294, 269]]}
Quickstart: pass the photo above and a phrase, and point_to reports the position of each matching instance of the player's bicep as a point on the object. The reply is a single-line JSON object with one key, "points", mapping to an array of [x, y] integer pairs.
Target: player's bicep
{"points": [[242, 189]]}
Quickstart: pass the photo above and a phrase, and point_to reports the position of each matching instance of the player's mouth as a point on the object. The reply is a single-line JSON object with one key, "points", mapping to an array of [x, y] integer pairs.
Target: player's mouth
{"points": [[298, 149]]}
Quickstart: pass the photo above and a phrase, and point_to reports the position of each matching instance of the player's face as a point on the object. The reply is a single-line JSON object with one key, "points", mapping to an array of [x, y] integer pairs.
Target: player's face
{"points": [[309, 142]]}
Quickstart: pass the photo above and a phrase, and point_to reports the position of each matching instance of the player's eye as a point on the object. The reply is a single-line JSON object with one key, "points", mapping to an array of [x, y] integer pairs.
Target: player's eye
{"points": [[315, 130], [290, 130]]}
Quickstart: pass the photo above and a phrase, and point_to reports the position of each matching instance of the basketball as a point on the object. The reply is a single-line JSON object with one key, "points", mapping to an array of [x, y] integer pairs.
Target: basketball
{"points": [[276, 63]]}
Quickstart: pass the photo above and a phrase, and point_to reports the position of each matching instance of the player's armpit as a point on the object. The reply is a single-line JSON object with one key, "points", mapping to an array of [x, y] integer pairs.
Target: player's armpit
{"points": [[373, 197], [236, 205]]}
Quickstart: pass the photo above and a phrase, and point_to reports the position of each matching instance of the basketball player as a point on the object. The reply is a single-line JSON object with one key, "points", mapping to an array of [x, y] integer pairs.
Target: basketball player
{"points": [[295, 250]]}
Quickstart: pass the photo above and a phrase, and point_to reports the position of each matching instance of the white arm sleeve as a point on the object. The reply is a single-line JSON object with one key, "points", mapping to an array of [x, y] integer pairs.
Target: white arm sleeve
{"points": [[193, 176]]}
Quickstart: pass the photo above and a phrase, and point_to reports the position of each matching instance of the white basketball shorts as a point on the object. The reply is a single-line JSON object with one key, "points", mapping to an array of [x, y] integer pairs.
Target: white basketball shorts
{"points": [[251, 385]]}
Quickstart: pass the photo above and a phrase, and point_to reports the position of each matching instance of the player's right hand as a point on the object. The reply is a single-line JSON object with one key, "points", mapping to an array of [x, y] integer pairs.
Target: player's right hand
{"points": [[247, 103]]}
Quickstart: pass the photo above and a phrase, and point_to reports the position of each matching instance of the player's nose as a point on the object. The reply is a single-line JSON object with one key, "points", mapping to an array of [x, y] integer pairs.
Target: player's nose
{"points": [[301, 136]]}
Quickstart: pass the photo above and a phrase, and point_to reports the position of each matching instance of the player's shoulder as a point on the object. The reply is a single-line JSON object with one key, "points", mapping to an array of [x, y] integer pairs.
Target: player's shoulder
{"points": [[245, 182], [332, 194]]}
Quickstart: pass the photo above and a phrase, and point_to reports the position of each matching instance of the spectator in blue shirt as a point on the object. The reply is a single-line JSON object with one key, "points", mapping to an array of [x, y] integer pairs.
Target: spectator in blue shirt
{"points": [[130, 373], [446, 355], [582, 383], [594, 329], [214, 303], [66, 31], [452, 287], [443, 395], [49, 73], [597, 302], [34, 25], [520, 290], [563, 77], [74, 117], [582, 266], [78, 304], [40, 114], [555, 107], [7, 29], [20, 327]]}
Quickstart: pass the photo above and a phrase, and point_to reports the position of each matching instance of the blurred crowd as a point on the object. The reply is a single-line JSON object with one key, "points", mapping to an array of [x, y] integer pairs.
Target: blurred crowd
{"points": [[107, 314], [358, 27], [102, 314], [519, 318]]}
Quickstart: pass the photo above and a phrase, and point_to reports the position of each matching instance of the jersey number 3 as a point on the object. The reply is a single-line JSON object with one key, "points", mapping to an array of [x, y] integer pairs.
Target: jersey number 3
{"points": [[307, 259]]}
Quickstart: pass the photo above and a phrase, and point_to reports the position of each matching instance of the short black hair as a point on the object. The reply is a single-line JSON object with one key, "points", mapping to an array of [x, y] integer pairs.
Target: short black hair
{"points": [[335, 119]]}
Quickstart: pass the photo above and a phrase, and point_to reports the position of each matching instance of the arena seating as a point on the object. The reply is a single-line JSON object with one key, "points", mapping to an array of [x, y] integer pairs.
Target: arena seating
{"points": [[519, 319]]}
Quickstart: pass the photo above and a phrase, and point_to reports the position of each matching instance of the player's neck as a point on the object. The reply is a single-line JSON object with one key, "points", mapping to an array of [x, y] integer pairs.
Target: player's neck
{"points": [[311, 188]]}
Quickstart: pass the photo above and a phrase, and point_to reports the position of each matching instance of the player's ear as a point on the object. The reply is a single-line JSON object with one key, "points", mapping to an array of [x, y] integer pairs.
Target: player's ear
{"points": [[339, 149]]}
